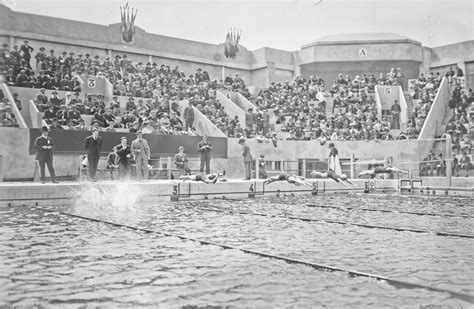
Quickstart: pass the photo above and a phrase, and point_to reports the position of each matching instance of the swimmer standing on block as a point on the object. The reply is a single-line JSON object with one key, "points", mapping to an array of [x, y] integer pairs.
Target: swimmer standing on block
{"points": [[382, 170], [342, 179], [211, 178], [296, 180]]}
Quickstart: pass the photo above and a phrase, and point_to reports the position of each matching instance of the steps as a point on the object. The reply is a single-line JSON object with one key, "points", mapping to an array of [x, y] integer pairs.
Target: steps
{"points": [[329, 107]]}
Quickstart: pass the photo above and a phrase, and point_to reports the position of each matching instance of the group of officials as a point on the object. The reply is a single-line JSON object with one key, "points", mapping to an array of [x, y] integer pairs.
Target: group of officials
{"points": [[139, 150], [123, 154]]}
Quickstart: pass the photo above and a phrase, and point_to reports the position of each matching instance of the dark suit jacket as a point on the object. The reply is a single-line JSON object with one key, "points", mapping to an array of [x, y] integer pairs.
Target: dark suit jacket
{"points": [[43, 154], [246, 153], [92, 146]]}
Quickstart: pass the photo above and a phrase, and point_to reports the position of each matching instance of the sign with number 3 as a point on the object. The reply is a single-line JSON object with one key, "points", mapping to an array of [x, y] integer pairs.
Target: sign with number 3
{"points": [[91, 82]]}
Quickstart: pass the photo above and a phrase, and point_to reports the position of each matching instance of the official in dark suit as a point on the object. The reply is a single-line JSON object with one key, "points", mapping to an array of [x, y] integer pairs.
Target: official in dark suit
{"points": [[26, 49], [93, 145], [204, 147], [124, 154], [44, 154]]}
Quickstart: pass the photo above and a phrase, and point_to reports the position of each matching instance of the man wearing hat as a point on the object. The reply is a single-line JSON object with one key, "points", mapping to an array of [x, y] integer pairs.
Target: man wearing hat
{"points": [[130, 104], [51, 58], [44, 154], [88, 60], [188, 116], [40, 56], [69, 60], [124, 154], [93, 145], [54, 100], [49, 114], [62, 61], [262, 171], [181, 161], [96, 61], [141, 153], [107, 63], [22, 79], [4, 51], [26, 49], [55, 125], [247, 156], [204, 147], [117, 62]]}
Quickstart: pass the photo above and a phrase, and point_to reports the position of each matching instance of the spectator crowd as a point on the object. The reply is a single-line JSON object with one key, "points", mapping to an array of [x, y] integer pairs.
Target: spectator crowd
{"points": [[158, 88], [7, 117], [155, 90], [300, 108]]}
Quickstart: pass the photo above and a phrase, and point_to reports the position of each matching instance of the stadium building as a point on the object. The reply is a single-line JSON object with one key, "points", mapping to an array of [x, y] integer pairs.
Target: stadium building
{"points": [[355, 55]]}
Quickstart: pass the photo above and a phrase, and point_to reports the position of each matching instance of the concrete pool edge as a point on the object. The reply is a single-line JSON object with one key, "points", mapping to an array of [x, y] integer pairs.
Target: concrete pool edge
{"points": [[34, 193]]}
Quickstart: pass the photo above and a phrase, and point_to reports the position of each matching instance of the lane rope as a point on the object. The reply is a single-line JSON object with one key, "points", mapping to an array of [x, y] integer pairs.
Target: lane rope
{"points": [[351, 273], [391, 211], [342, 222]]}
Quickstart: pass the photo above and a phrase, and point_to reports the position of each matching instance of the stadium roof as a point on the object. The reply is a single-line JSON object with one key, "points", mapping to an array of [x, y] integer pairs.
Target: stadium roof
{"points": [[357, 38]]}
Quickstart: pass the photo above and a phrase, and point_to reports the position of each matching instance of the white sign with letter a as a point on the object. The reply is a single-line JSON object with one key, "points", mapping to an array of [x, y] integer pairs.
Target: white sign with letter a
{"points": [[362, 52]]}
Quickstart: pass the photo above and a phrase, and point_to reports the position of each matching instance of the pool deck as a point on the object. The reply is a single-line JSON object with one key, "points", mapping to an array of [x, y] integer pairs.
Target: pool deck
{"points": [[64, 193], [35, 193]]}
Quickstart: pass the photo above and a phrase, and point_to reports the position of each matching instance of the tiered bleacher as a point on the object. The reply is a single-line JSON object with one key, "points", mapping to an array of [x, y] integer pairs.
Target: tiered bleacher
{"points": [[461, 124], [300, 106], [7, 117], [157, 88]]}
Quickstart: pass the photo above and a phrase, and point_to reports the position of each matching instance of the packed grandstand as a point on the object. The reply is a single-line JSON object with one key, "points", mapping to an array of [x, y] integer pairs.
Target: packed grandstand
{"points": [[300, 107]]}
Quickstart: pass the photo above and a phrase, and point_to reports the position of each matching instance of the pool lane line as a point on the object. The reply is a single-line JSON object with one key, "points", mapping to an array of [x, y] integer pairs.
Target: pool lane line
{"points": [[368, 209], [416, 196], [342, 222], [351, 273], [392, 211]]}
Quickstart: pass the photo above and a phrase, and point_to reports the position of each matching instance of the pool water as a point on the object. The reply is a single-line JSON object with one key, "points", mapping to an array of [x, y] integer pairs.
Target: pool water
{"points": [[51, 259]]}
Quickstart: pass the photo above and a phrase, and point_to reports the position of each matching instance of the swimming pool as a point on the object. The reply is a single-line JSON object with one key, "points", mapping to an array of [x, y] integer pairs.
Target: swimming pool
{"points": [[54, 259]]}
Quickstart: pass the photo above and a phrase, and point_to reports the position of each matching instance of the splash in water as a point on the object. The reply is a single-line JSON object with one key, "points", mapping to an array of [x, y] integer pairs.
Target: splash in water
{"points": [[121, 196]]}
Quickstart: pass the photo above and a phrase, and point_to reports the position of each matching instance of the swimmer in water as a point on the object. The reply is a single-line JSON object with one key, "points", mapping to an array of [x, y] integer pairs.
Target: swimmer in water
{"points": [[342, 179], [296, 180], [211, 178], [382, 170]]}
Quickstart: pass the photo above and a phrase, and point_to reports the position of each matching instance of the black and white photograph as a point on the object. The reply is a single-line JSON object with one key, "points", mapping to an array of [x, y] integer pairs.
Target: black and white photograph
{"points": [[236, 154]]}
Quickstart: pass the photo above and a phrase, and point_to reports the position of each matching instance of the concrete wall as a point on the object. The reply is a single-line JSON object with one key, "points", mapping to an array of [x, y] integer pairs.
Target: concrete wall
{"points": [[26, 94], [202, 124], [373, 52], [18, 163], [457, 53], [403, 108], [241, 101], [231, 108], [433, 123], [36, 116], [291, 151], [14, 108]]}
